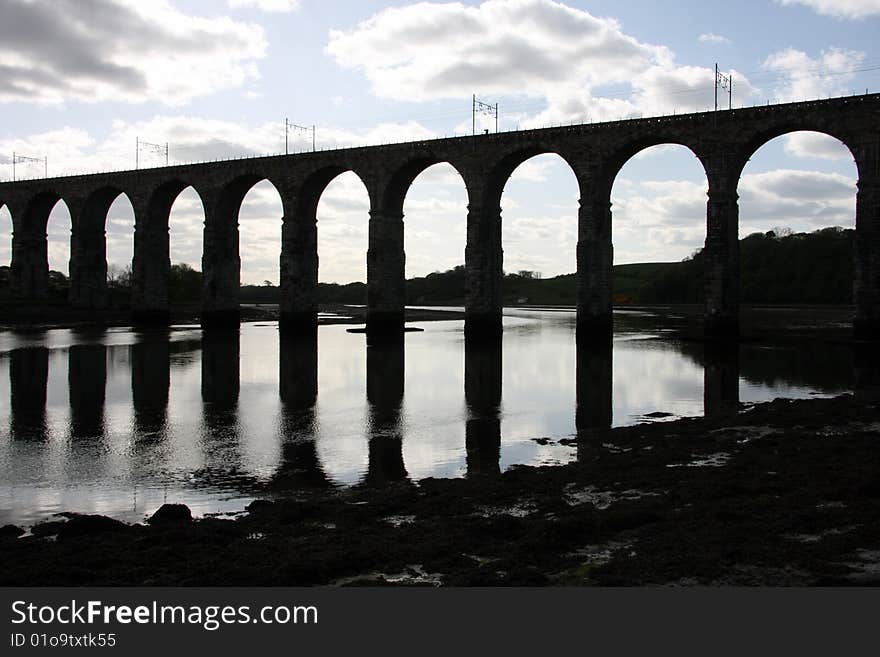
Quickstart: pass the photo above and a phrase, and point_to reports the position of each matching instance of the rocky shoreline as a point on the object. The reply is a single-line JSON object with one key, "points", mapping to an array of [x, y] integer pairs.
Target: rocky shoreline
{"points": [[779, 493]]}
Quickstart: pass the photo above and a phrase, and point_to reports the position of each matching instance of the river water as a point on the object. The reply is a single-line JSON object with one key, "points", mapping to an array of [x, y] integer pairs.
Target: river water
{"points": [[118, 422]]}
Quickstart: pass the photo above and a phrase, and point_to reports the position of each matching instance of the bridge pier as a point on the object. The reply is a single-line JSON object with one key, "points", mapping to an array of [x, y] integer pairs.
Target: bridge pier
{"points": [[29, 269], [221, 263], [88, 267], [299, 275], [151, 263], [721, 254], [866, 269], [595, 261], [484, 261], [386, 283]]}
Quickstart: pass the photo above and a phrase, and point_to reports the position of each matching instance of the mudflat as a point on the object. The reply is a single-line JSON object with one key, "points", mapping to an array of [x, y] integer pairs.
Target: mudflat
{"points": [[778, 493]]}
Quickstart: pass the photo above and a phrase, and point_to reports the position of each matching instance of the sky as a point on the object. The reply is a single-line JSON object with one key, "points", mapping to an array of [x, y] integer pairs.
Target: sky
{"points": [[83, 81]]}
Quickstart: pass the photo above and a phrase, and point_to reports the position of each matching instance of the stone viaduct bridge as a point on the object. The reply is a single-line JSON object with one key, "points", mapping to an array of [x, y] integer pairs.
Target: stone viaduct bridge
{"points": [[722, 141]]}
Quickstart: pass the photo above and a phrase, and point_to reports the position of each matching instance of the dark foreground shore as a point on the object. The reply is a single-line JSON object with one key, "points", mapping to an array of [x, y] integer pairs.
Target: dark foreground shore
{"points": [[782, 493]]}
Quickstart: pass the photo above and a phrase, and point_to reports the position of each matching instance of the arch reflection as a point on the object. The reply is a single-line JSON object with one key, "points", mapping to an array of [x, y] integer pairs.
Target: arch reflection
{"points": [[720, 379], [866, 372], [28, 380], [150, 383], [594, 370], [298, 388], [221, 380], [482, 392], [87, 381], [385, 380]]}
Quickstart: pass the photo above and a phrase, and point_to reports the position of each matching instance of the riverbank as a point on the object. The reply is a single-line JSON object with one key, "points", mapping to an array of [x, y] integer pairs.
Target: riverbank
{"points": [[781, 493]]}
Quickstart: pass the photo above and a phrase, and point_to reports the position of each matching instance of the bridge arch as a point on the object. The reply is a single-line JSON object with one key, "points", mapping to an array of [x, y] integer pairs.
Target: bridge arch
{"points": [[657, 203], [798, 182], [434, 209], [260, 216], [222, 245], [502, 170], [334, 189], [151, 263], [538, 230], [757, 140], [29, 269], [484, 253], [88, 247], [401, 180], [5, 234], [624, 154]]}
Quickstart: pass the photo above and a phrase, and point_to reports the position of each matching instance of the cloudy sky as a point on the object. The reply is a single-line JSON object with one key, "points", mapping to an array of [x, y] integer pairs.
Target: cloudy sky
{"points": [[82, 80]]}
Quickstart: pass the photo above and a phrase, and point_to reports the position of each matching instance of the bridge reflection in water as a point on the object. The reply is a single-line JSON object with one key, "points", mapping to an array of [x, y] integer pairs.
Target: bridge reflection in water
{"points": [[195, 416]]}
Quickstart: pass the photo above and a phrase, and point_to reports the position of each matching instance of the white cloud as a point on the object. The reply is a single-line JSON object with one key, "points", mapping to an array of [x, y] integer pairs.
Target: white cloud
{"points": [[666, 220], [448, 50], [538, 48], [711, 37], [806, 77], [801, 200], [54, 51], [852, 9], [277, 6], [816, 145]]}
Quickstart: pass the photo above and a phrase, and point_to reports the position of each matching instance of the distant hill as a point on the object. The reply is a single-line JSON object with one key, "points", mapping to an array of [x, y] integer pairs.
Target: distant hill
{"points": [[812, 267]]}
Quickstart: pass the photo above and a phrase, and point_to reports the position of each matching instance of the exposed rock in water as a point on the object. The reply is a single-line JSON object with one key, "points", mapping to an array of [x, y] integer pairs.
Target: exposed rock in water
{"points": [[171, 514], [10, 531]]}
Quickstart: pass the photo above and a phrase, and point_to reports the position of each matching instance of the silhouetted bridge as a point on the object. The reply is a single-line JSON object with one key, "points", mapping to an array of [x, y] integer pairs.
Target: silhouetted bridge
{"points": [[722, 141]]}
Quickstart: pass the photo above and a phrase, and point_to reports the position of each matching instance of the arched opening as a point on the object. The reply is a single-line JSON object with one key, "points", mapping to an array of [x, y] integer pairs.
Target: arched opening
{"points": [[120, 249], [185, 223], [658, 202], [58, 232], [343, 223], [260, 216], [797, 207], [95, 280], [539, 233], [435, 233], [539, 207], [5, 250]]}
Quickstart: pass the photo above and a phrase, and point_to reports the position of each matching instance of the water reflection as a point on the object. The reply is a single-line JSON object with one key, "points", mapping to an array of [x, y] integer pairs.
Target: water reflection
{"points": [[221, 381], [87, 381], [866, 374], [593, 386], [150, 382], [482, 391], [385, 378], [300, 464], [213, 417], [28, 379], [720, 379]]}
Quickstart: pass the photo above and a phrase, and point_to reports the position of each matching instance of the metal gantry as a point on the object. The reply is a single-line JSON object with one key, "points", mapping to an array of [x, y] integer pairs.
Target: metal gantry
{"points": [[24, 158], [299, 128], [479, 107], [153, 148], [725, 82]]}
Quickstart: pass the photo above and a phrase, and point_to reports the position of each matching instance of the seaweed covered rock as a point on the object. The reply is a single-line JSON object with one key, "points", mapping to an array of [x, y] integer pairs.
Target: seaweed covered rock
{"points": [[171, 514]]}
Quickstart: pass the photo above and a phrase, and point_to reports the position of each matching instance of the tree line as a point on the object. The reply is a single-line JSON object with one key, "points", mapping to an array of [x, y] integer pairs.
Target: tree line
{"points": [[778, 266]]}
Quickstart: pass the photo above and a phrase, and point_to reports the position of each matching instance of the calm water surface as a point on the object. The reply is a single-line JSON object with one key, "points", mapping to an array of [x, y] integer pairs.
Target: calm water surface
{"points": [[118, 422]]}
